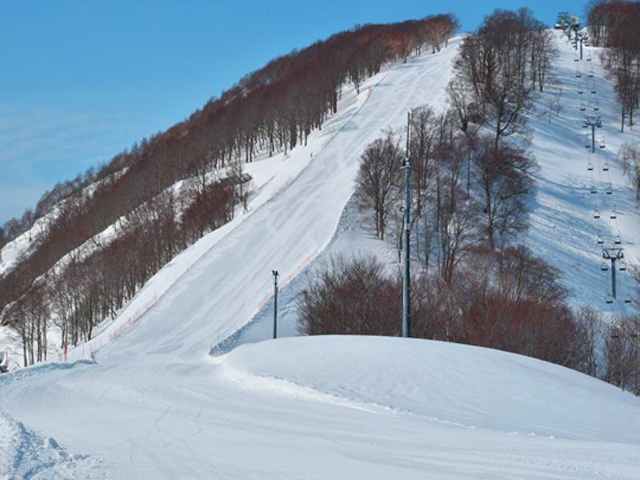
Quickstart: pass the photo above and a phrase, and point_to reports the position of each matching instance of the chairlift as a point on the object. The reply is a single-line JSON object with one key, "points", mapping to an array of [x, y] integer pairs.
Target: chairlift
{"points": [[617, 240], [596, 212], [623, 266], [589, 58], [578, 74], [580, 91], [599, 239], [605, 167], [590, 166], [602, 145], [593, 90], [583, 106], [609, 190], [596, 108], [609, 299], [627, 299], [594, 190], [604, 266], [613, 215], [590, 74]]}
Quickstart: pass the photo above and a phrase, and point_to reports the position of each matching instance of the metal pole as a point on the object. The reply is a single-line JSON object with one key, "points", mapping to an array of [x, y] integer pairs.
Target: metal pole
{"points": [[580, 47], [593, 139], [406, 290], [613, 254], [613, 277], [275, 303]]}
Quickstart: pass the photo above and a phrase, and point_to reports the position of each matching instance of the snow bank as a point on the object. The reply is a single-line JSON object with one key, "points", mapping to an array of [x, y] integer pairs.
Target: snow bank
{"points": [[444, 382], [25, 455]]}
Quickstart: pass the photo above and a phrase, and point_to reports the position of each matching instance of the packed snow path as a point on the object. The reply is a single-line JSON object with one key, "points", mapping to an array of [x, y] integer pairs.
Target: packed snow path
{"points": [[155, 405]]}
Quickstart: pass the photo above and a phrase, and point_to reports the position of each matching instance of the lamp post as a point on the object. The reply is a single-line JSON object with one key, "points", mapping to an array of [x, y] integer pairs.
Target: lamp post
{"points": [[406, 283], [275, 303]]}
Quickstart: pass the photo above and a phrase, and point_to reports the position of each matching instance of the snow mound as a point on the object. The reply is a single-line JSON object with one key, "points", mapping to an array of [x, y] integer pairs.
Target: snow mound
{"points": [[23, 454], [444, 382]]}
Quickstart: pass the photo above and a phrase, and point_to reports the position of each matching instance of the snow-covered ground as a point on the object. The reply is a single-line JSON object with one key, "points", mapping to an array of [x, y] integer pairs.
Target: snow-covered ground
{"points": [[330, 407], [155, 405]]}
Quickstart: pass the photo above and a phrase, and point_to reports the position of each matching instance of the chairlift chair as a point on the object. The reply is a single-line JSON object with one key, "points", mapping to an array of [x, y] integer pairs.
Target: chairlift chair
{"points": [[590, 74], [609, 190], [604, 266], [594, 190], [617, 240], [578, 74], [589, 58], [596, 108], [602, 144], [593, 90], [613, 215], [609, 299], [605, 167], [590, 167], [596, 213], [600, 239], [623, 266], [580, 91], [627, 299]]}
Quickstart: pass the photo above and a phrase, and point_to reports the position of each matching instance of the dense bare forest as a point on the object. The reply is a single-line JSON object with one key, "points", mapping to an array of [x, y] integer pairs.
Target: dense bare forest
{"points": [[614, 24]]}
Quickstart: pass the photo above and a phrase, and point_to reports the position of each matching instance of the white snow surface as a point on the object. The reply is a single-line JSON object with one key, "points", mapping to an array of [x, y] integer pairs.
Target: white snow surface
{"points": [[453, 384], [155, 405]]}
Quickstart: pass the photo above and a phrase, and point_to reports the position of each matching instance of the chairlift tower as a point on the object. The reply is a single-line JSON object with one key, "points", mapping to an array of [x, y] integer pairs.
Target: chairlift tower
{"points": [[593, 122], [613, 255], [580, 39]]}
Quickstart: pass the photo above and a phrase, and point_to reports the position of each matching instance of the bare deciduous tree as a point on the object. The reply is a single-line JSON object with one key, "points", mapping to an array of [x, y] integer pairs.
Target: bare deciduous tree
{"points": [[377, 184]]}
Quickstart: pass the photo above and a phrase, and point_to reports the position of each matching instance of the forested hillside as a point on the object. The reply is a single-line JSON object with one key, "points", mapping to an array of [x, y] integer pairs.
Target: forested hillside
{"points": [[164, 193]]}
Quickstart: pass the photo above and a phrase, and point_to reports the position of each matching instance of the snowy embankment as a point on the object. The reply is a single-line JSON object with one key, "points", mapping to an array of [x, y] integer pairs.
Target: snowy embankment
{"points": [[452, 384], [23, 454]]}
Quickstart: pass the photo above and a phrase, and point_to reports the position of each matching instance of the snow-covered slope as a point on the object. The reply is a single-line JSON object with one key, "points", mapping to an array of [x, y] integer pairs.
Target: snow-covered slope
{"points": [[156, 405], [563, 228]]}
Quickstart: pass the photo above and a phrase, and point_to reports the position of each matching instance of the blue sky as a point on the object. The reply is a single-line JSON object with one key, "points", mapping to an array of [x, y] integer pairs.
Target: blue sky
{"points": [[82, 80]]}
